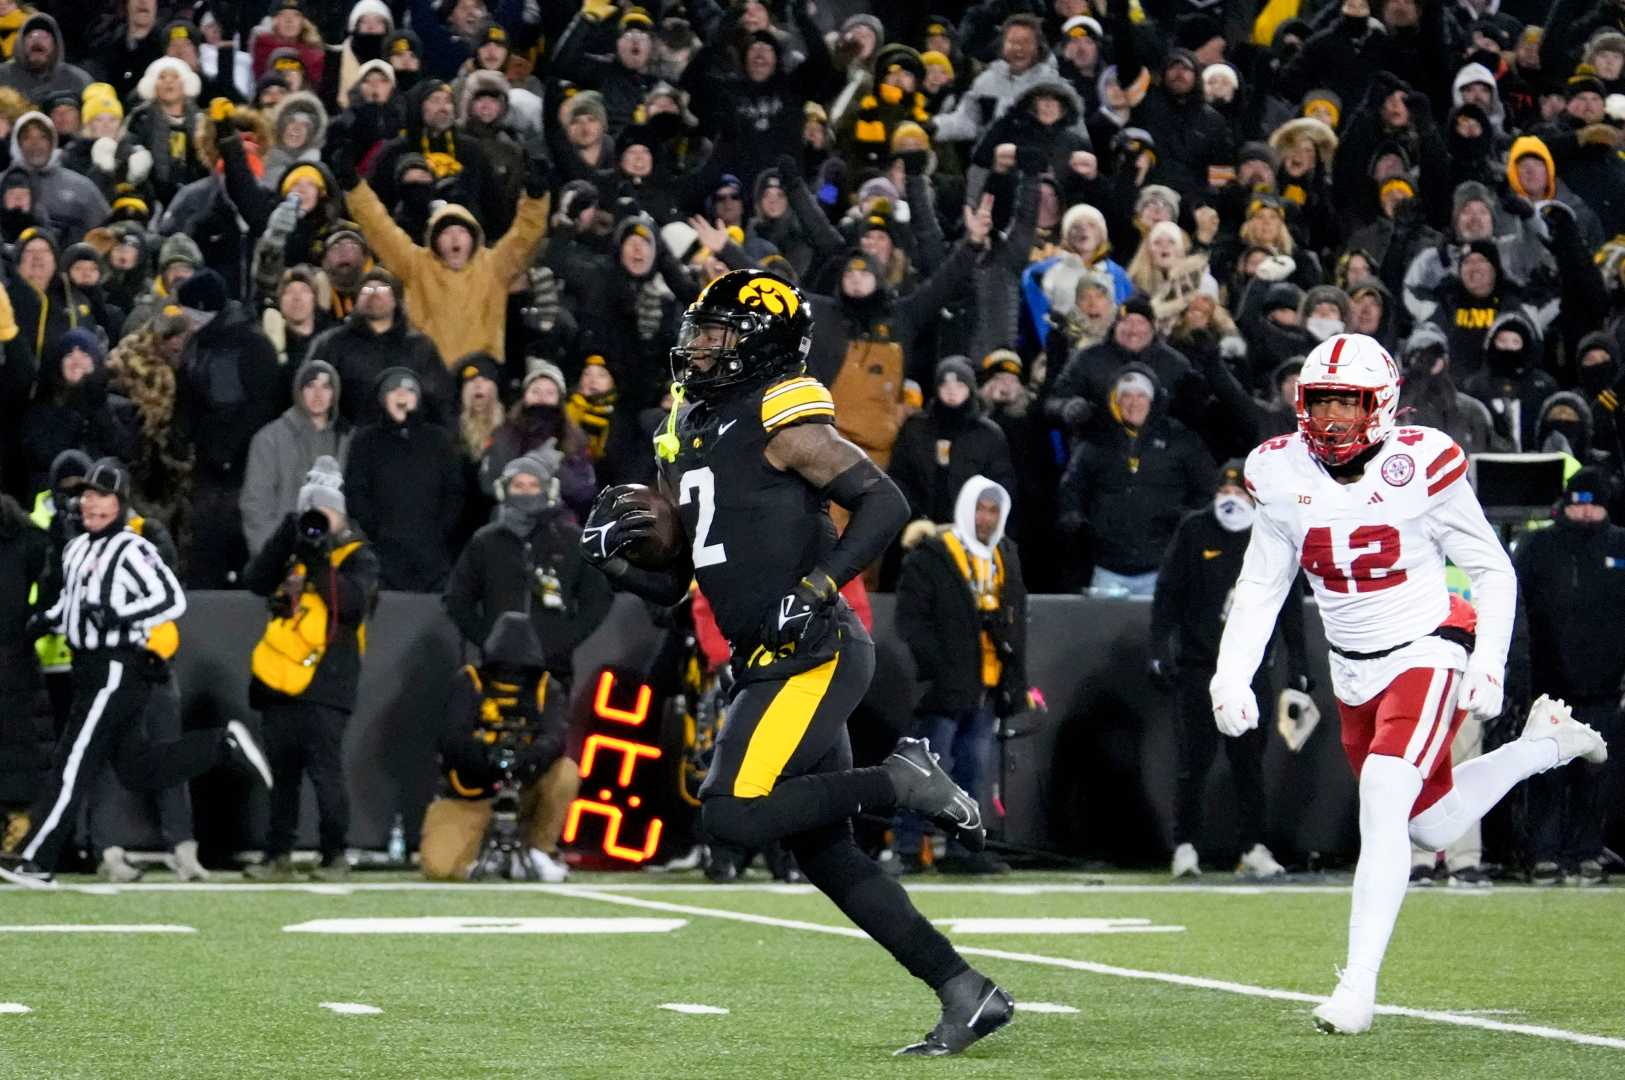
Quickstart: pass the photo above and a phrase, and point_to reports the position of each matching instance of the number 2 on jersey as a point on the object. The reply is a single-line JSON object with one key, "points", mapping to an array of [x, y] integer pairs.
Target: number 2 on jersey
{"points": [[1370, 572], [699, 485]]}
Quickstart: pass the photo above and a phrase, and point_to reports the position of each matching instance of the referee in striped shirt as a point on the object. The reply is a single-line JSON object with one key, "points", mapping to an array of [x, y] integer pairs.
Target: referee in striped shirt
{"points": [[117, 609]]}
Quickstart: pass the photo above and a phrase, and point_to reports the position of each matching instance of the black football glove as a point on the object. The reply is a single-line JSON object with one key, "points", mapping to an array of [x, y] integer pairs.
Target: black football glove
{"points": [[618, 519], [813, 595]]}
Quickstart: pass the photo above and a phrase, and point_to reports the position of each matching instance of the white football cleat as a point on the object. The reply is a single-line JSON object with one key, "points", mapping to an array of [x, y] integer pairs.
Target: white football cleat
{"points": [[1260, 863], [1551, 719], [549, 869], [1186, 862], [1349, 1011]]}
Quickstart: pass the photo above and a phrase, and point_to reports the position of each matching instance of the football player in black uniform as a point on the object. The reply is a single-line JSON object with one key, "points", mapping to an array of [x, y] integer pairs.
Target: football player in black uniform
{"points": [[751, 458]]}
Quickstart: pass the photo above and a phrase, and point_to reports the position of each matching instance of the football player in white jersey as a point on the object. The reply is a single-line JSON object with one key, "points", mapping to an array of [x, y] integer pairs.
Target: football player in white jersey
{"points": [[1371, 510]]}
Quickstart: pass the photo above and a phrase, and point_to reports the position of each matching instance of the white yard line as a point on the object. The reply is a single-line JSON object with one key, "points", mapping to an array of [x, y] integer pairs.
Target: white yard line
{"points": [[1192, 981], [96, 928], [967, 889], [351, 1008]]}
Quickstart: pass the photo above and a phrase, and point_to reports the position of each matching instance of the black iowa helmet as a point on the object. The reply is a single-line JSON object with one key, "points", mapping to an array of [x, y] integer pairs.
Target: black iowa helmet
{"points": [[747, 327]]}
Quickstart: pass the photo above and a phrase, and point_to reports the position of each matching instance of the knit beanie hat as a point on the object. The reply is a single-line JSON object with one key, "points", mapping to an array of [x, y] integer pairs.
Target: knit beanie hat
{"points": [[537, 368], [957, 367], [323, 487], [398, 377]]}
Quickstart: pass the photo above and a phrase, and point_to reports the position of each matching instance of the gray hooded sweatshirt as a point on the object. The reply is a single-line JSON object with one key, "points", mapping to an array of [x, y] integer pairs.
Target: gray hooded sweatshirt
{"points": [[282, 452]]}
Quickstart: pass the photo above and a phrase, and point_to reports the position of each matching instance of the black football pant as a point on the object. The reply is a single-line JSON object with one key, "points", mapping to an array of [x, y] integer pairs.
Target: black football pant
{"points": [[111, 689], [783, 771], [305, 738], [1569, 807], [1198, 738]]}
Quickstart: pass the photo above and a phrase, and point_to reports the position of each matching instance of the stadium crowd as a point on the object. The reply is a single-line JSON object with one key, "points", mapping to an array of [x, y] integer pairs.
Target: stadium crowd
{"points": [[1076, 247]]}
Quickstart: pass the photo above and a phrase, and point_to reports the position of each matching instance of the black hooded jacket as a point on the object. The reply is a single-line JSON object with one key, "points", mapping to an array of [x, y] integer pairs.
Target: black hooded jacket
{"points": [[1573, 574], [939, 449], [404, 487], [228, 387], [360, 355], [1126, 490]]}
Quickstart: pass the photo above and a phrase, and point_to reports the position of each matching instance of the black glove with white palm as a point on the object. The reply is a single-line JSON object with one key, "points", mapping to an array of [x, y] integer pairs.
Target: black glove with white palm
{"points": [[813, 596], [620, 517]]}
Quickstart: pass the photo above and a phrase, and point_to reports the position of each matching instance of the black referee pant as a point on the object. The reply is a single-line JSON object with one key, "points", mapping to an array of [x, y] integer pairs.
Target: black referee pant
{"points": [[111, 688]]}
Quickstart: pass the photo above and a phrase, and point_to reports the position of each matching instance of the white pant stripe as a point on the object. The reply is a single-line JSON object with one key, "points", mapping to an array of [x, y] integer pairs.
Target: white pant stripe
{"points": [[1426, 717], [1441, 736], [76, 757]]}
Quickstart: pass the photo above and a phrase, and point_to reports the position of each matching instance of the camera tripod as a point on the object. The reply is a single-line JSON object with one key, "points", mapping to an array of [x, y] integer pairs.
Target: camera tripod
{"points": [[503, 852]]}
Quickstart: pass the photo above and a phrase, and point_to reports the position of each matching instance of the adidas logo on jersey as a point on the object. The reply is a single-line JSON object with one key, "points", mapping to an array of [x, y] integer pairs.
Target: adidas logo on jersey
{"points": [[1376, 497]]}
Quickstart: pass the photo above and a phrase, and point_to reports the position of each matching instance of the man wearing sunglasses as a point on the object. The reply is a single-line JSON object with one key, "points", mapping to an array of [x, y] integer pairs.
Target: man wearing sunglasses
{"points": [[117, 609]]}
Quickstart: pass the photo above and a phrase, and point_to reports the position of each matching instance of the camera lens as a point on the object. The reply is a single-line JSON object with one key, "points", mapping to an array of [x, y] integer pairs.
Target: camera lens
{"points": [[312, 525]]}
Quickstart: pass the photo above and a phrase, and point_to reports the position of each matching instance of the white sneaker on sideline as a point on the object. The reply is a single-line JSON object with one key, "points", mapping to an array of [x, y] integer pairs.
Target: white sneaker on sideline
{"points": [[1350, 1010], [1187, 864], [1260, 863], [1551, 719], [185, 863], [551, 870], [116, 868]]}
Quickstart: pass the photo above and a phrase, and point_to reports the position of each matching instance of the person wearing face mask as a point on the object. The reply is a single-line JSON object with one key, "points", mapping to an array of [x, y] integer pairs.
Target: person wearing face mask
{"points": [[404, 487], [1324, 312], [1598, 376], [1428, 396], [528, 559], [1188, 611], [1571, 581], [1511, 382], [947, 443], [539, 418]]}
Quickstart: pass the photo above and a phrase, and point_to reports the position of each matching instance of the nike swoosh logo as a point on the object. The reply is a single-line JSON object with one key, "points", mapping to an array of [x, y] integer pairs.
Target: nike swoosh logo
{"points": [[785, 618], [1212, 553], [723, 429]]}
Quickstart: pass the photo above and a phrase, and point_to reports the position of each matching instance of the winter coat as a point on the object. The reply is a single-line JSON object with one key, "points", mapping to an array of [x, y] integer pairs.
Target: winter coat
{"points": [[517, 437], [1127, 489], [359, 356], [542, 574], [228, 387], [461, 311], [279, 456], [71, 203], [938, 449], [403, 485], [349, 589], [43, 317], [57, 75], [469, 186], [622, 89], [148, 126], [997, 86], [1575, 576], [939, 619]]}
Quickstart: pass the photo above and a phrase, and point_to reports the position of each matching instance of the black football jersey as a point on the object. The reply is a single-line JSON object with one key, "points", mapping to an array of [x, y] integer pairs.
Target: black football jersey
{"points": [[754, 530]]}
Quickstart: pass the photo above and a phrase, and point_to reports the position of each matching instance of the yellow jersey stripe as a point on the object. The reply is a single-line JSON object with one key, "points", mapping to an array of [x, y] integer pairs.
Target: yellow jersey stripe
{"points": [[790, 384], [780, 730], [806, 395], [801, 413]]}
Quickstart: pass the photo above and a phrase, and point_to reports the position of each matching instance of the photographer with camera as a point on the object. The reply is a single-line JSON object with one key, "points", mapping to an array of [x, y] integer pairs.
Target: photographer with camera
{"points": [[321, 576], [504, 767], [528, 559], [117, 608]]}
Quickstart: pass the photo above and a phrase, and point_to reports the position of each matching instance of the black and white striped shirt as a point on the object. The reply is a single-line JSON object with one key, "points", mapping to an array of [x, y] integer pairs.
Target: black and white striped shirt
{"points": [[124, 574]]}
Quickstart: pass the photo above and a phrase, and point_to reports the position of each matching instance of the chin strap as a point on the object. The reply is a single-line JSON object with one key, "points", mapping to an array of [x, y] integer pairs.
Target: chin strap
{"points": [[666, 444]]}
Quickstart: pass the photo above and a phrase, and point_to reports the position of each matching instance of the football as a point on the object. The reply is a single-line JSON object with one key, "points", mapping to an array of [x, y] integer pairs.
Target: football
{"points": [[660, 548]]}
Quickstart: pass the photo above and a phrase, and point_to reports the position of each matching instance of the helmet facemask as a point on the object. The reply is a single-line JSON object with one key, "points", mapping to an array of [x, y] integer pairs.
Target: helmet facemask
{"points": [[1339, 441]]}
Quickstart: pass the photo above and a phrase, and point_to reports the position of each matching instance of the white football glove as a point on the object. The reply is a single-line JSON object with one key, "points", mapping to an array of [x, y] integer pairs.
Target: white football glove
{"points": [[1235, 709], [1481, 694]]}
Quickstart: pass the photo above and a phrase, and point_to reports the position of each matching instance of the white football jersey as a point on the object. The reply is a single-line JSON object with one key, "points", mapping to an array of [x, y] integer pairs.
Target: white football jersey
{"points": [[1374, 552]]}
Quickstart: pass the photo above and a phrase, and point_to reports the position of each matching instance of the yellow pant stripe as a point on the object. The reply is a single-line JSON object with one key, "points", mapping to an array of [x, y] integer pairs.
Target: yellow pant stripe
{"points": [[780, 730]]}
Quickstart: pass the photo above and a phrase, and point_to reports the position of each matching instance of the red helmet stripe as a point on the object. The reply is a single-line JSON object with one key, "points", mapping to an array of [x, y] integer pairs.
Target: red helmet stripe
{"points": [[1337, 349]]}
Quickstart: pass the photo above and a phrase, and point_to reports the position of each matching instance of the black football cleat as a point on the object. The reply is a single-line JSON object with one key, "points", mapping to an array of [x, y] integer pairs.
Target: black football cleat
{"points": [[244, 750], [924, 787], [16, 870], [971, 1010]]}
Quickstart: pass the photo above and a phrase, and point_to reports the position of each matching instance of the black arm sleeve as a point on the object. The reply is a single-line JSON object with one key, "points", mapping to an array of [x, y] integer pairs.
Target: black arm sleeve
{"points": [[878, 511], [664, 587]]}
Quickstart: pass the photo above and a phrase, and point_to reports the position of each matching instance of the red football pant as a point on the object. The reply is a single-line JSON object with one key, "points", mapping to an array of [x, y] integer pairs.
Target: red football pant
{"points": [[1414, 718]]}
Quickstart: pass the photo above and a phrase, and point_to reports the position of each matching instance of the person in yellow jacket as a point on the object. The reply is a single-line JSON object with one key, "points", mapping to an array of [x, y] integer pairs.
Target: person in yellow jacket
{"points": [[456, 287]]}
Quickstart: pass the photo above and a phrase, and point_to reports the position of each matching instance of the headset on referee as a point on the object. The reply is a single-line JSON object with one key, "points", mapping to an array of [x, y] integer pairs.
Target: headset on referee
{"points": [[117, 609]]}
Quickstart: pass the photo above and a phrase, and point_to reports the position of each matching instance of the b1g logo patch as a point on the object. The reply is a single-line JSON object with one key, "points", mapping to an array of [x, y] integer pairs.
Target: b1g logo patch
{"points": [[1398, 470]]}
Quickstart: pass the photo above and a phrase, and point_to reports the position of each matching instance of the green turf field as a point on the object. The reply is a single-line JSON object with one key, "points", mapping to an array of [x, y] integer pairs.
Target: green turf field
{"points": [[1512, 982]]}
